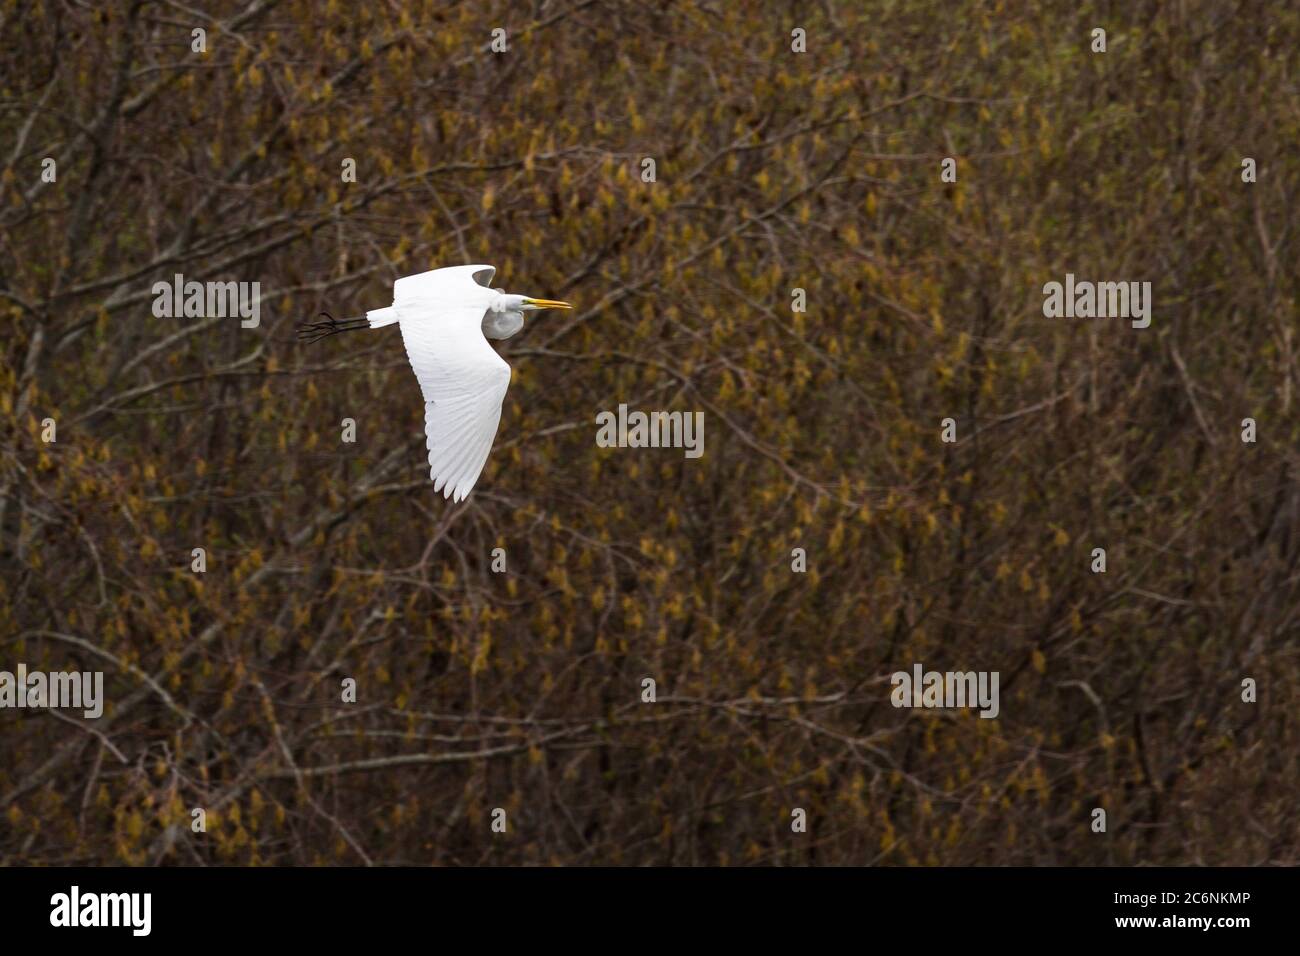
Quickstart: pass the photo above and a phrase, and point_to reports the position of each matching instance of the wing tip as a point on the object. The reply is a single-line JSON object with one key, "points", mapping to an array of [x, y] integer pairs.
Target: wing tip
{"points": [[450, 490]]}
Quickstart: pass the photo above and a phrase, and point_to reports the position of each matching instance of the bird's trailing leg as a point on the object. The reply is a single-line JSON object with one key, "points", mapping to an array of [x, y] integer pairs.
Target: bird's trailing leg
{"points": [[315, 331]]}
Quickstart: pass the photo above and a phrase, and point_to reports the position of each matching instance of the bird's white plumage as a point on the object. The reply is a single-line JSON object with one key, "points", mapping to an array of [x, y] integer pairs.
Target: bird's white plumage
{"points": [[449, 283], [462, 378], [446, 317]]}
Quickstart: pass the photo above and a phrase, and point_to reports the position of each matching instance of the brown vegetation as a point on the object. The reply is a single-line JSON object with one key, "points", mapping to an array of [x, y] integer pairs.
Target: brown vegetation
{"points": [[775, 171]]}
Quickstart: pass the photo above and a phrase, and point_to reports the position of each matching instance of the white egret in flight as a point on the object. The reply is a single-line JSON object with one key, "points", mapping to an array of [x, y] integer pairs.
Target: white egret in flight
{"points": [[444, 316]]}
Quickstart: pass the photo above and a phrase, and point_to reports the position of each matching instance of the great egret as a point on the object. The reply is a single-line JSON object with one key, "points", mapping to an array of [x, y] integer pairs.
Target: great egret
{"points": [[444, 316]]}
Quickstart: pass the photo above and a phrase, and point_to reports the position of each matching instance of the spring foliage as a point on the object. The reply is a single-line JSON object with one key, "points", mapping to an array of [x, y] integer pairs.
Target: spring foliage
{"points": [[477, 688]]}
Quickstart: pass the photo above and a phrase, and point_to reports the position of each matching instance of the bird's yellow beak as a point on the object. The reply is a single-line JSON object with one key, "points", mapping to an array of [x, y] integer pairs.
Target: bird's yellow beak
{"points": [[547, 304]]}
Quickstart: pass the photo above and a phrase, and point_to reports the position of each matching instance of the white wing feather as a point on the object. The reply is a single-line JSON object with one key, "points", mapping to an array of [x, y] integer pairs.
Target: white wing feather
{"points": [[450, 282], [462, 378]]}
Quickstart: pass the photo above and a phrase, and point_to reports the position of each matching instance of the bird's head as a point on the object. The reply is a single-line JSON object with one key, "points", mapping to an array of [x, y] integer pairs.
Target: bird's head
{"points": [[523, 303]]}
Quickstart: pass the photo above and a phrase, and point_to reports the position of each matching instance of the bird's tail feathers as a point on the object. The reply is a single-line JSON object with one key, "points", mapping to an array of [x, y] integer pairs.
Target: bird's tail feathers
{"points": [[378, 318]]}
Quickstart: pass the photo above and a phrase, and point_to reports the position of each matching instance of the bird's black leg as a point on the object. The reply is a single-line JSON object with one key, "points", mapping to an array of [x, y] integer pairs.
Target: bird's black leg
{"points": [[315, 331]]}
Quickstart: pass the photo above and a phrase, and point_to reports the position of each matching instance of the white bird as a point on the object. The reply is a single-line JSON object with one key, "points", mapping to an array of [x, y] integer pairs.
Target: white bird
{"points": [[444, 316]]}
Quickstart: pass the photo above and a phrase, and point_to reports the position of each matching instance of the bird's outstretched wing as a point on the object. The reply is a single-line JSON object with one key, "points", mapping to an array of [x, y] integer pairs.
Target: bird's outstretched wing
{"points": [[441, 283], [464, 382]]}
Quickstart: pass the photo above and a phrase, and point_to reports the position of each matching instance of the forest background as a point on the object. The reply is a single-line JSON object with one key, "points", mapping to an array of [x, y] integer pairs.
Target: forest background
{"points": [[523, 690]]}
